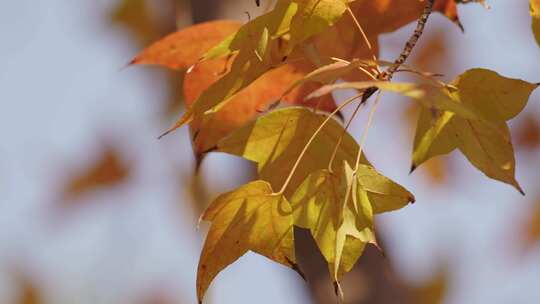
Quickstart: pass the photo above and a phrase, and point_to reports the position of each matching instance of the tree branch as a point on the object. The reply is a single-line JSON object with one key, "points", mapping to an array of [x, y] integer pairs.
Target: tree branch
{"points": [[407, 50], [411, 43]]}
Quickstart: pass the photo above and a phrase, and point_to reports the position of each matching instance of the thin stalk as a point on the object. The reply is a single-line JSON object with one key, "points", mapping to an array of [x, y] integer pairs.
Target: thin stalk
{"points": [[310, 141], [362, 142], [366, 130], [364, 36], [411, 43], [333, 157]]}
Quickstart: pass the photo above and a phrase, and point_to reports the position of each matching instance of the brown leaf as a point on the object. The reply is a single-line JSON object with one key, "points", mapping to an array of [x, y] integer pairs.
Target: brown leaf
{"points": [[531, 231], [135, 16], [434, 291], [28, 291], [108, 171], [528, 133]]}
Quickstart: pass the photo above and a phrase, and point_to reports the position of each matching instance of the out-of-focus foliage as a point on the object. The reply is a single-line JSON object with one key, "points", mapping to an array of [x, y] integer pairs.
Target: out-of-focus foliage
{"points": [[531, 227], [528, 135], [535, 13], [108, 170], [28, 292]]}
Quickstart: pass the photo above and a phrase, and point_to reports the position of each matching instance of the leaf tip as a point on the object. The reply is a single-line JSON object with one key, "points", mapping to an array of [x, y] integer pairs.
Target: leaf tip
{"points": [[413, 168], [379, 248], [516, 185], [165, 134], [298, 270], [185, 119], [460, 25], [340, 116], [199, 157], [134, 61]]}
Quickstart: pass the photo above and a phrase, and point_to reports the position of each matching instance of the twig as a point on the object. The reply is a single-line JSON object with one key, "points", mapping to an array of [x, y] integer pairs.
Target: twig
{"points": [[407, 50], [411, 43]]}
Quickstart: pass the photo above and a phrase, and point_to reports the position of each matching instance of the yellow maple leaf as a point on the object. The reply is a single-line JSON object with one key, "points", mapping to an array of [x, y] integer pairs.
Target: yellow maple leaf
{"points": [[338, 209], [485, 141], [275, 141], [248, 218]]}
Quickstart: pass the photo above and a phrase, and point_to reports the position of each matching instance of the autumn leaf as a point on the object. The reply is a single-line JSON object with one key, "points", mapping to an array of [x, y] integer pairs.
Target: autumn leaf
{"points": [[494, 97], [250, 218], [531, 228], [248, 103], [108, 171], [528, 133], [485, 142], [430, 96], [258, 48], [340, 225], [378, 17], [433, 136], [437, 169], [384, 194], [184, 48], [247, 38], [338, 208], [28, 291], [488, 148], [275, 141], [330, 73], [433, 291], [535, 13], [135, 16], [315, 16]]}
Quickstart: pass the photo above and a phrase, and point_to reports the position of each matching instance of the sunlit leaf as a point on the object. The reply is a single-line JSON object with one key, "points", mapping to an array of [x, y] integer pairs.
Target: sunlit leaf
{"points": [[250, 218], [248, 103], [275, 141], [492, 96], [184, 48], [315, 16], [384, 194], [430, 96], [338, 208], [247, 38], [485, 142], [340, 225]]}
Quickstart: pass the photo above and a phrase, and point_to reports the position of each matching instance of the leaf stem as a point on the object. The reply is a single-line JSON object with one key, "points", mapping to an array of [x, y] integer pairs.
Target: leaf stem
{"points": [[361, 145], [366, 130], [333, 157], [310, 141], [364, 36]]}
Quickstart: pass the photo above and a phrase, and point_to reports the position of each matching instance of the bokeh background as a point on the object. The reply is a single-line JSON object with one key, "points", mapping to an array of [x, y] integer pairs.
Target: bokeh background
{"points": [[94, 209]]}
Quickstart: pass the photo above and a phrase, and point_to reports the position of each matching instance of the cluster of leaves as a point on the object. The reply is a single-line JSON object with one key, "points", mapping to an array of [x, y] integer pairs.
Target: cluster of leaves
{"points": [[312, 173]]}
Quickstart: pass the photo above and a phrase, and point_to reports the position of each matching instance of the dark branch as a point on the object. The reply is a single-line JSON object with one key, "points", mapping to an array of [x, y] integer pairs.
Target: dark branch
{"points": [[407, 50], [411, 43]]}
